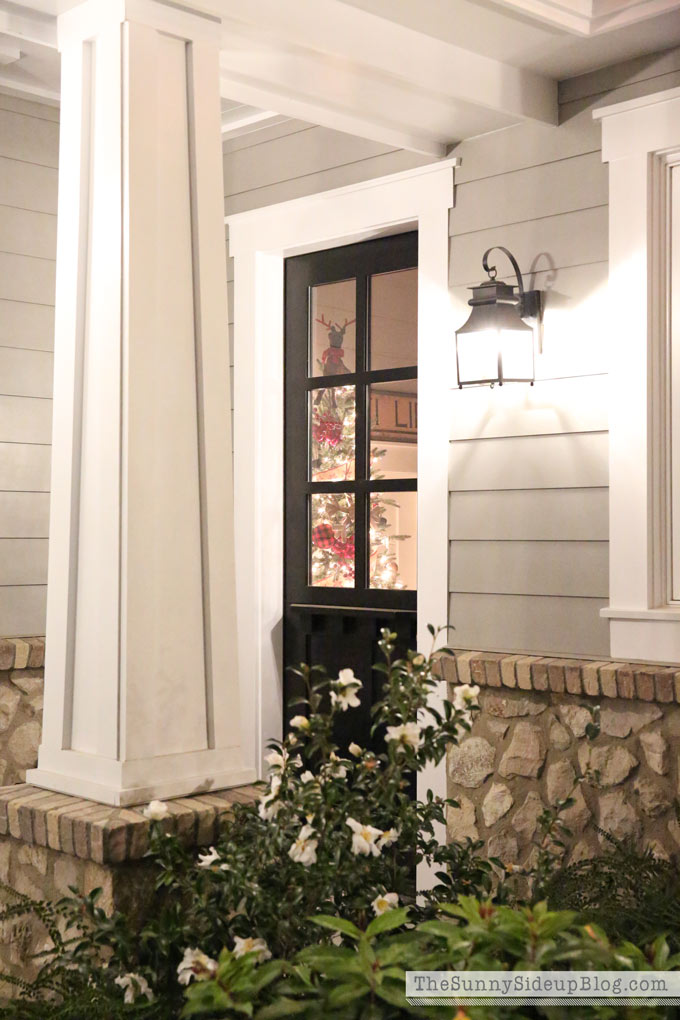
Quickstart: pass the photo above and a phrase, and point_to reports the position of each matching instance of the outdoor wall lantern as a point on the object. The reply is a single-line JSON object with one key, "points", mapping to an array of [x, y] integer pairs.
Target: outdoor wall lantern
{"points": [[496, 344]]}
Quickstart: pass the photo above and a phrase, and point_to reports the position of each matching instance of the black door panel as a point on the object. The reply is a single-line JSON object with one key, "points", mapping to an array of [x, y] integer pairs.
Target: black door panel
{"points": [[350, 461]]}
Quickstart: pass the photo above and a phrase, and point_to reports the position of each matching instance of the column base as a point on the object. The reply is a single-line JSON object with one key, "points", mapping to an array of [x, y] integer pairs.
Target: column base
{"points": [[124, 784]]}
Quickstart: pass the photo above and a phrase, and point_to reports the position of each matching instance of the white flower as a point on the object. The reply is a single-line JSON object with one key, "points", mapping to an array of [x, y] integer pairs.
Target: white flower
{"points": [[307, 777], [364, 838], [406, 735], [303, 850], [269, 806], [134, 984], [346, 678], [355, 750], [346, 698], [207, 860], [300, 722], [337, 771], [388, 837], [279, 759], [157, 810], [387, 901], [465, 696], [251, 945], [418, 660], [195, 964]]}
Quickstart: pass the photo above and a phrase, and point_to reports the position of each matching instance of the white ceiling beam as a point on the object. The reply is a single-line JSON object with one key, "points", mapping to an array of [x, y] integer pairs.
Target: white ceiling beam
{"points": [[244, 119], [363, 40], [24, 88], [9, 54], [28, 25], [307, 107]]}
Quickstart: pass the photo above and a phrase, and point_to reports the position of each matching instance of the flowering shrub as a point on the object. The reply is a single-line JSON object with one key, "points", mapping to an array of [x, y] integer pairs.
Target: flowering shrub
{"points": [[331, 833], [306, 905]]}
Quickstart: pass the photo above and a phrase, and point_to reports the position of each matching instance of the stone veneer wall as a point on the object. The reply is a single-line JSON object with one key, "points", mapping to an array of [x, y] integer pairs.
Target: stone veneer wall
{"points": [[21, 705], [528, 750]]}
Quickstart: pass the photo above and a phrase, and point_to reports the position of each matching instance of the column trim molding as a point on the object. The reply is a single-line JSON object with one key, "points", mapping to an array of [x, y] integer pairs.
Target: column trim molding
{"points": [[641, 143]]}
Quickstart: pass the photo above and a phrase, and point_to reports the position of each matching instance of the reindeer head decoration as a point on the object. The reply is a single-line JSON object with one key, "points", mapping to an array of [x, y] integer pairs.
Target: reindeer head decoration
{"points": [[336, 332]]}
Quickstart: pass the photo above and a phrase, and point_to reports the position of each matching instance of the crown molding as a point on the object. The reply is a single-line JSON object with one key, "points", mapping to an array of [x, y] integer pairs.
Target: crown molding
{"points": [[590, 17]]}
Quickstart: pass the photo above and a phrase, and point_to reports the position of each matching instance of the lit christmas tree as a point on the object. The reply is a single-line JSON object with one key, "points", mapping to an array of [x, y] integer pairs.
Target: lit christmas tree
{"points": [[333, 413]]}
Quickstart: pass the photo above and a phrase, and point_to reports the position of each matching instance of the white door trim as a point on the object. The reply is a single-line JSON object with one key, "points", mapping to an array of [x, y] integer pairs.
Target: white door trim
{"points": [[259, 241]]}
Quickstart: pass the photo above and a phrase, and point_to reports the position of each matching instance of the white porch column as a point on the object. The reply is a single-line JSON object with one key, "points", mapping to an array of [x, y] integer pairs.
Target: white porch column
{"points": [[141, 694]]}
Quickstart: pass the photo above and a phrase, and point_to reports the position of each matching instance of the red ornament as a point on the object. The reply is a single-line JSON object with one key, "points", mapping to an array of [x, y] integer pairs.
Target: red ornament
{"points": [[327, 430], [344, 549], [323, 536]]}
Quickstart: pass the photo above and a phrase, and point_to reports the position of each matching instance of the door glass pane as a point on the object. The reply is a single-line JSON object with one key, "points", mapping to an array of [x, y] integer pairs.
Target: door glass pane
{"points": [[332, 329], [394, 429], [394, 320], [332, 416], [392, 540], [331, 540]]}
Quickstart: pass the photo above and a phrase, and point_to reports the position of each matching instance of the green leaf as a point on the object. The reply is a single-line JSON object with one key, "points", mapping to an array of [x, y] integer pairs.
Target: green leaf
{"points": [[337, 924], [388, 921], [343, 994], [392, 993], [282, 1008]]}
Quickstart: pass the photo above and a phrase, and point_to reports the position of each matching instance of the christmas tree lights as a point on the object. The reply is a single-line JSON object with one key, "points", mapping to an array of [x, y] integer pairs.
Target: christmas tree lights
{"points": [[333, 449]]}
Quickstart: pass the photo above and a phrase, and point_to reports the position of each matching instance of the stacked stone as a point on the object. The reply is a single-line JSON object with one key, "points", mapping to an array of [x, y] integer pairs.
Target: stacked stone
{"points": [[528, 750], [21, 705]]}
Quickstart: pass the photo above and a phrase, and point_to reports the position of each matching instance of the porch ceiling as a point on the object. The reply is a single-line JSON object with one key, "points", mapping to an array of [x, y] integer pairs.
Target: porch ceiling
{"points": [[416, 76]]}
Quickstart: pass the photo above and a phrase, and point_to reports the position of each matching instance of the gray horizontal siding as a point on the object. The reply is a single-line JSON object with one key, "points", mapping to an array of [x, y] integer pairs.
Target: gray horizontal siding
{"points": [[530, 462], [26, 325], [29, 146], [23, 561], [531, 624], [24, 514], [574, 238], [512, 567], [22, 610], [561, 515]]}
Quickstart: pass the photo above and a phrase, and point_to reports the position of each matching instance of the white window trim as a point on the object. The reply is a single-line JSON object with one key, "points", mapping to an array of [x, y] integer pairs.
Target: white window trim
{"points": [[259, 242], [640, 141]]}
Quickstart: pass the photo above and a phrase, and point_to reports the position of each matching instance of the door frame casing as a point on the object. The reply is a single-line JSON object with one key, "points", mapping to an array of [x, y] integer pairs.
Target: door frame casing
{"points": [[259, 241]]}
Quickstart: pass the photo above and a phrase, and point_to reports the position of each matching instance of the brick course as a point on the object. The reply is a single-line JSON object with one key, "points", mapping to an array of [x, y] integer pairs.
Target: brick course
{"points": [[108, 835], [620, 680]]}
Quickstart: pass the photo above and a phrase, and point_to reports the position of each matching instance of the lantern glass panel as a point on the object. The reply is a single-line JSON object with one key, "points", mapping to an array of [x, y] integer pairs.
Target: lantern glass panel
{"points": [[517, 353], [477, 355]]}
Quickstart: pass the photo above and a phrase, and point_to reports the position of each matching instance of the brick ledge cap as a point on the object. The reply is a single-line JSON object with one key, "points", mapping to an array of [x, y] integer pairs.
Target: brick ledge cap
{"points": [[580, 677], [108, 835], [22, 653]]}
